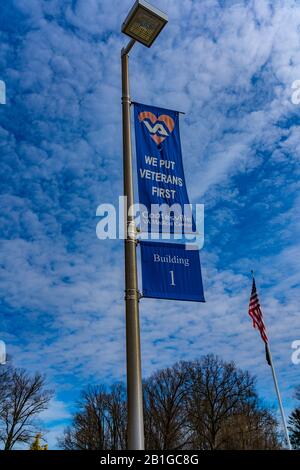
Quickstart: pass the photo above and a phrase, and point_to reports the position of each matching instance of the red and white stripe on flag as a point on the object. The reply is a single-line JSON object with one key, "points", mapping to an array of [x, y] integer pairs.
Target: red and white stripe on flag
{"points": [[256, 313]]}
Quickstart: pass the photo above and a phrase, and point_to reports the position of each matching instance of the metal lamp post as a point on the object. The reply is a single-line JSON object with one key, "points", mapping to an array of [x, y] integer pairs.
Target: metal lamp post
{"points": [[143, 24]]}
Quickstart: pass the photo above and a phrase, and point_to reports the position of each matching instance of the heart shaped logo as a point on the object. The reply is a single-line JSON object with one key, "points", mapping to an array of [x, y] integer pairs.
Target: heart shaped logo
{"points": [[159, 127]]}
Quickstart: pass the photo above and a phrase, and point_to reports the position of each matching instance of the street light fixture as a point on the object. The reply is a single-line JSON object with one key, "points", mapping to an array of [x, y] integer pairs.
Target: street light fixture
{"points": [[143, 24]]}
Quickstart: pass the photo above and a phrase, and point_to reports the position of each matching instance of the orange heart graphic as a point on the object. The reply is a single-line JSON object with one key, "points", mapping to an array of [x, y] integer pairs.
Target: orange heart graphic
{"points": [[156, 127]]}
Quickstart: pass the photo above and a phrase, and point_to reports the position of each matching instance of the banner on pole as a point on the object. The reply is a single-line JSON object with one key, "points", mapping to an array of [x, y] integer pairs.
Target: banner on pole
{"points": [[161, 181], [170, 271]]}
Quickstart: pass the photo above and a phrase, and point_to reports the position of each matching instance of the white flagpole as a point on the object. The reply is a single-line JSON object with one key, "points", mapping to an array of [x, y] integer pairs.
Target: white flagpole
{"points": [[279, 399], [287, 437]]}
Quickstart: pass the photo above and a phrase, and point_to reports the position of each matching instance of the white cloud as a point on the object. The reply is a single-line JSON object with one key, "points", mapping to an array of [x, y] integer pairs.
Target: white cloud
{"points": [[231, 70]]}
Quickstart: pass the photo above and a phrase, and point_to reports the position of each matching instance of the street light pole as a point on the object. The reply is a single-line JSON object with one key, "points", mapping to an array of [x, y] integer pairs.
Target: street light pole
{"points": [[135, 427], [143, 24]]}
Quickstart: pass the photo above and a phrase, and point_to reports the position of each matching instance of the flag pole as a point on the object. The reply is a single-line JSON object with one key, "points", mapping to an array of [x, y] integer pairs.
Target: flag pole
{"points": [[279, 398], [270, 360]]}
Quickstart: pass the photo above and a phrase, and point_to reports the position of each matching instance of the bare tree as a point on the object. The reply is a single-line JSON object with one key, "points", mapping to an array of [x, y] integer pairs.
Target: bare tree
{"points": [[205, 404], [88, 427], [117, 413], [100, 423], [165, 416], [5, 382], [24, 400], [253, 428], [223, 408], [294, 424]]}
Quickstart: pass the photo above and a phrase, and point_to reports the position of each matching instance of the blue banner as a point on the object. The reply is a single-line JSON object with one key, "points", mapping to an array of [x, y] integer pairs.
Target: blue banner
{"points": [[161, 178], [170, 271]]}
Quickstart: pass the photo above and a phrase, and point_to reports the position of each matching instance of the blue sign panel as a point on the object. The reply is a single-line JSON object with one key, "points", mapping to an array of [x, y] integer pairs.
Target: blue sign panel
{"points": [[160, 171], [170, 271]]}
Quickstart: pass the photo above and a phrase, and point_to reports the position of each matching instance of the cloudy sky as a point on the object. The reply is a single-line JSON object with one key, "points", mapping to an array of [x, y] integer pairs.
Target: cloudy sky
{"points": [[230, 65]]}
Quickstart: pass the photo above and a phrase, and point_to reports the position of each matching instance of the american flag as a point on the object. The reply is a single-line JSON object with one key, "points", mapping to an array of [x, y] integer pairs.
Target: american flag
{"points": [[257, 317]]}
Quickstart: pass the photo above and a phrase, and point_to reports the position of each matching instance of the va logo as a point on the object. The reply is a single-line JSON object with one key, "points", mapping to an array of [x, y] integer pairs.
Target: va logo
{"points": [[159, 127]]}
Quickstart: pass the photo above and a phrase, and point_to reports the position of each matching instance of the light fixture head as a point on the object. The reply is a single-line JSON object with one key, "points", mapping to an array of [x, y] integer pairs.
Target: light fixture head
{"points": [[144, 23]]}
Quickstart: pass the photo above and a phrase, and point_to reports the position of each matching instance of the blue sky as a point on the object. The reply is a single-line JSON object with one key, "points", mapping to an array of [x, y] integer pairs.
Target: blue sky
{"points": [[230, 66]]}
